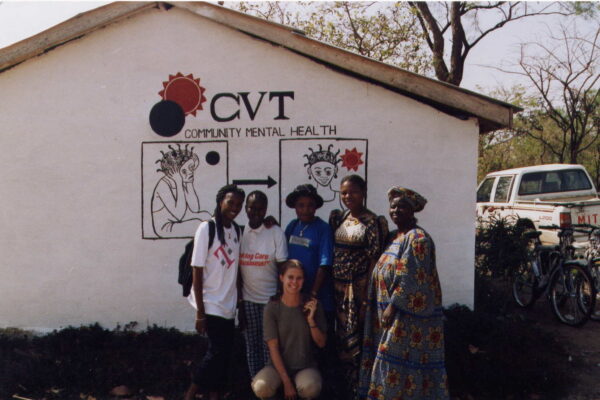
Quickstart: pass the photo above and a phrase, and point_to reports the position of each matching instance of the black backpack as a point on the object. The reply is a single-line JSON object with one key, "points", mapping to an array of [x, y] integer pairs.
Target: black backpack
{"points": [[185, 261]]}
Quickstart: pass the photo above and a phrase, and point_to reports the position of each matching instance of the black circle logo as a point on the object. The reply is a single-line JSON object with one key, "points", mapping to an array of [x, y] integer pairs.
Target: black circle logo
{"points": [[167, 118]]}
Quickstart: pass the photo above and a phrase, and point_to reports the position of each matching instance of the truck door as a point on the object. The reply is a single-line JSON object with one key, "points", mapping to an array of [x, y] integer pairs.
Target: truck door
{"points": [[484, 195], [500, 201]]}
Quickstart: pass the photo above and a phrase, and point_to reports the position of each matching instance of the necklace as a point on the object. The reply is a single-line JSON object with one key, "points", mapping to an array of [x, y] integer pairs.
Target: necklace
{"points": [[301, 234]]}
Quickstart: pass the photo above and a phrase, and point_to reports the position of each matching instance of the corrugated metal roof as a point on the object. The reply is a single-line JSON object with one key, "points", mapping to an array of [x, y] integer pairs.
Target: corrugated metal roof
{"points": [[492, 114]]}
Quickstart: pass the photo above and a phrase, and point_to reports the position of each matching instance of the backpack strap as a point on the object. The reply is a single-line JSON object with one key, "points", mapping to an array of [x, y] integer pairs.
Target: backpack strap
{"points": [[185, 269], [211, 232]]}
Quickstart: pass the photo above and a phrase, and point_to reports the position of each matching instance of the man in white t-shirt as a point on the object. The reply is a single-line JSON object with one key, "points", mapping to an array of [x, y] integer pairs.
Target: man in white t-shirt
{"points": [[214, 291], [263, 250]]}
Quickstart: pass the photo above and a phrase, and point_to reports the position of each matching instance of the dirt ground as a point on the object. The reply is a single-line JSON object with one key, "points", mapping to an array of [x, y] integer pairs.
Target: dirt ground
{"points": [[582, 345]]}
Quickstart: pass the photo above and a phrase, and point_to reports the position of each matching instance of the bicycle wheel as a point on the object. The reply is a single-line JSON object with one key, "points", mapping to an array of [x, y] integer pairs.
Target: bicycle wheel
{"points": [[525, 284], [595, 272], [572, 294]]}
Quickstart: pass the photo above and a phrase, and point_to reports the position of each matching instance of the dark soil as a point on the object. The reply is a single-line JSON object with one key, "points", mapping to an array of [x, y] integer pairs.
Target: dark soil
{"points": [[581, 347], [488, 357], [498, 351]]}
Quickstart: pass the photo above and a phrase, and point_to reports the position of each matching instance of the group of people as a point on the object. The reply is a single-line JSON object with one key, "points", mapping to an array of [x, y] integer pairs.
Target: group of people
{"points": [[347, 294]]}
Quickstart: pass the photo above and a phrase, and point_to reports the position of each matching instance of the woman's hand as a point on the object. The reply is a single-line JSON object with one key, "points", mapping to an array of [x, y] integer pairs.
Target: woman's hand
{"points": [[201, 325], [270, 221], [388, 316], [289, 390], [310, 307]]}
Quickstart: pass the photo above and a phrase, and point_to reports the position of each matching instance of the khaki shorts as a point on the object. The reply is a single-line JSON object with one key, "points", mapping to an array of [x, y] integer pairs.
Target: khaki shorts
{"points": [[267, 381]]}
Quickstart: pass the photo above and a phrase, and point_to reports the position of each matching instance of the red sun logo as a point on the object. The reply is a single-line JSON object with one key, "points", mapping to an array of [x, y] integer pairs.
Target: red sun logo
{"points": [[185, 91], [351, 159]]}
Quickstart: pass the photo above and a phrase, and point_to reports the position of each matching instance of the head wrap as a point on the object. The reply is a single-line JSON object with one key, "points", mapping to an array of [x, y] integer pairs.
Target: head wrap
{"points": [[306, 190], [412, 198]]}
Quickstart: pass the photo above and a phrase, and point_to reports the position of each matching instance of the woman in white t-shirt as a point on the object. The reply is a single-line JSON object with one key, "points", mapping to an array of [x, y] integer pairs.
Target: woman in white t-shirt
{"points": [[214, 291], [263, 251]]}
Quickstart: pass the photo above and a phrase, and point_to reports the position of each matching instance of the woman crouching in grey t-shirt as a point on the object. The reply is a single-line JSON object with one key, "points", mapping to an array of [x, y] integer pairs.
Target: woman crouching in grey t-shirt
{"points": [[291, 328]]}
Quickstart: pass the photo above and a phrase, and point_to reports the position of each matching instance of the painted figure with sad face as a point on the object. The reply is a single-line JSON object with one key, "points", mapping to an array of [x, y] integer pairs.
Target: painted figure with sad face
{"points": [[175, 205]]}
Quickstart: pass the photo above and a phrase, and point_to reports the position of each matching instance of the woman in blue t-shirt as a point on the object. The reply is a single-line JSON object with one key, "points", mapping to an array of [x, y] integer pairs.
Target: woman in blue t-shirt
{"points": [[310, 241]]}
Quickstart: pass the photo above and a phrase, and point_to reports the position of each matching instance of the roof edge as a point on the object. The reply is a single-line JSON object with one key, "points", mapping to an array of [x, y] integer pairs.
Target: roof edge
{"points": [[68, 30]]}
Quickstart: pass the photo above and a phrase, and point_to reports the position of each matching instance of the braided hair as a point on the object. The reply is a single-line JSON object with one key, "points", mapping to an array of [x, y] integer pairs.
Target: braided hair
{"points": [[217, 214]]}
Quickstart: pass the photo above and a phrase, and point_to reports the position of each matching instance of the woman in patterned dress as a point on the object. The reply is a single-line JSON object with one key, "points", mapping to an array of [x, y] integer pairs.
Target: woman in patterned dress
{"points": [[403, 347], [357, 246]]}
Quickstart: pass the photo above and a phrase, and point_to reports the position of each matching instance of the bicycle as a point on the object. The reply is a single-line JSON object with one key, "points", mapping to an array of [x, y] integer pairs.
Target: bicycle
{"points": [[551, 270], [592, 256]]}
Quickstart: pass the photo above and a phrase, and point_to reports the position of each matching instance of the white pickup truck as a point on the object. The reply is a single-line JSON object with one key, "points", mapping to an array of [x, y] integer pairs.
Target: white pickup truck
{"points": [[552, 194]]}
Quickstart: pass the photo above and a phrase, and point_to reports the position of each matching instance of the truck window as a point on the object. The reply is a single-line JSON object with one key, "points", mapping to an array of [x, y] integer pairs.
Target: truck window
{"points": [[575, 180], [503, 189], [554, 181], [485, 190]]}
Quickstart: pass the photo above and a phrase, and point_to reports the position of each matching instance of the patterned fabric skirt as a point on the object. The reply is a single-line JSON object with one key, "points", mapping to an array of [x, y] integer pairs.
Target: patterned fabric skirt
{"points": [[349, 327]]}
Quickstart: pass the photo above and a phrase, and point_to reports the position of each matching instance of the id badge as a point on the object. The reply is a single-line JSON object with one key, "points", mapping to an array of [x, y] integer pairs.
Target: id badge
{"points": [[300, 241]]}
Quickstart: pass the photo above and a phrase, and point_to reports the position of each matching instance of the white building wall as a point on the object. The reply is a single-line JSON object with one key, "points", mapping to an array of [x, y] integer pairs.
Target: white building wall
{"points": [[72, 128]]}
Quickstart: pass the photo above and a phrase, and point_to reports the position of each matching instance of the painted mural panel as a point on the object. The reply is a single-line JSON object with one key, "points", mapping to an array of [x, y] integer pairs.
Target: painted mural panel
{"points": [[322, 163], [179, 182]]}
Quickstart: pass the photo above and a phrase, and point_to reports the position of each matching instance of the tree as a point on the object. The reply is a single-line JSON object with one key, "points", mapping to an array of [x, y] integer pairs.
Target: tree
{"points": [[459, 25], [512, 147], [564, 71], [418, 36], [384, 31]]}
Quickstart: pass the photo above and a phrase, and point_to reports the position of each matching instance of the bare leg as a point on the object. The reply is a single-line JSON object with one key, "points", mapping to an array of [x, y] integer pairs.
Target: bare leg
{"points": [[191, 392]]}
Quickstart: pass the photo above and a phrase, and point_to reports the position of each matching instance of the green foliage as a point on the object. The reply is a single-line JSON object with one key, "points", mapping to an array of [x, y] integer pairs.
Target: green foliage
{"points": [[511, 148], [384, 31], [536, 137], [587, 9], [500, 246]]}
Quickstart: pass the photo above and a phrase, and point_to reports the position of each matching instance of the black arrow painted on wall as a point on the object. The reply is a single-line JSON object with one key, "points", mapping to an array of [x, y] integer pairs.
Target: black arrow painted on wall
{"points": [[269, 182]]}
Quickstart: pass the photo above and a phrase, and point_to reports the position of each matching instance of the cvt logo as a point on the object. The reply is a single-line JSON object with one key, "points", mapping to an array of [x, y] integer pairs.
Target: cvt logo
{"points": [[183, 95]]}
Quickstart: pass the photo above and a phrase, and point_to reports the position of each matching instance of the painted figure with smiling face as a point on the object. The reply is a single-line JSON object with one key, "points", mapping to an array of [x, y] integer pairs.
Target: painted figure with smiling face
{"points": [[175, 204], [322, 167]]}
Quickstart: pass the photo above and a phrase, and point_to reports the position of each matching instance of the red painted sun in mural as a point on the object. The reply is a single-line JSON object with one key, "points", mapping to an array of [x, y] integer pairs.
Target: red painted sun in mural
{"points": [[185, 91], [352, 159]]}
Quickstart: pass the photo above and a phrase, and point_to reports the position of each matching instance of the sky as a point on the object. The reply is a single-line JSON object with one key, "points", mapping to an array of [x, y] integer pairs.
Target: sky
{"points": [[22, 19]]}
